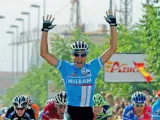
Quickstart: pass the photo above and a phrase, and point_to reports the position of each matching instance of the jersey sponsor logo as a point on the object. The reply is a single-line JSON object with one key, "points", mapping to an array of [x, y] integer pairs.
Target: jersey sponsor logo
{"points": [[85, 72], [157, 112], [79, 81], [11, 114], [47, 112], [129, 113]]}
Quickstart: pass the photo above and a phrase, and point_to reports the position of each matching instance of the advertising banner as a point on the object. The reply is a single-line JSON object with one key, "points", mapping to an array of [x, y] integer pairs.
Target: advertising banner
{"points": [[126, 68]]}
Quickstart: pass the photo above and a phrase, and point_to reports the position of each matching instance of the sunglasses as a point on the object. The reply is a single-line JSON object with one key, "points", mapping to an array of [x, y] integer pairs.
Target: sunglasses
{"points": [[20, 108], [139, 105], [80, 55]]}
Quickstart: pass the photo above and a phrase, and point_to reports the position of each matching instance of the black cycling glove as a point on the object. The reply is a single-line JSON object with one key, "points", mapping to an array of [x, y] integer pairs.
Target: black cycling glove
{"points": [[111, 20], [47, 25]]}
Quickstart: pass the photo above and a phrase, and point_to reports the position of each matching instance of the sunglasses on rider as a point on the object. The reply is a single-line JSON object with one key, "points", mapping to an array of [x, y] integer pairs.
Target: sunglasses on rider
{"points": [[19, 108], [80, 55], [139, 105]]}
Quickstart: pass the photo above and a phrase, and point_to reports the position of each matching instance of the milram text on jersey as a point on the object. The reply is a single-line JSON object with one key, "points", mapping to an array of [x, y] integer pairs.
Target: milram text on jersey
{"points": [[80, 83]]}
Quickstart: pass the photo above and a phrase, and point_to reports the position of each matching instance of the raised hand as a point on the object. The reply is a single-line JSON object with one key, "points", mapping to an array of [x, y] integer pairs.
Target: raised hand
{"points": [[110, 18], [47, 24]]}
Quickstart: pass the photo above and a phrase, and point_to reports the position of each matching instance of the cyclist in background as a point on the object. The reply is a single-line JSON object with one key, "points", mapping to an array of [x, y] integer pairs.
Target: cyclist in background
{"points": [[56, 109], [3, 112], [32, 105], [101, 108], [41, 112], [79, 77], [156, 108], [138, 110], [19, 109]]}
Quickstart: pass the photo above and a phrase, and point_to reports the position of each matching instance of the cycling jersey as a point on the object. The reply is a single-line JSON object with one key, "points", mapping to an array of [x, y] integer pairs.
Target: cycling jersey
{"points": [[155, 117], [28, 114], [79, 83], [40, 115], [50, 112], [129, 113], [36, 110], [156, 108], [106, 112]]}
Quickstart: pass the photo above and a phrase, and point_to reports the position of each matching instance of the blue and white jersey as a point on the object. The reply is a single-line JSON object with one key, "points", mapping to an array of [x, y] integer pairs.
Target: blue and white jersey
{"points": [[80, 83], [155, 117], [156, 108], [128, 113]]}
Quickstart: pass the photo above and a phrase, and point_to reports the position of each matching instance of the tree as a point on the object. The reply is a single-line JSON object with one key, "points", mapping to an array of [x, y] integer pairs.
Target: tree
{"points": [[151, 26], [141, 38]]}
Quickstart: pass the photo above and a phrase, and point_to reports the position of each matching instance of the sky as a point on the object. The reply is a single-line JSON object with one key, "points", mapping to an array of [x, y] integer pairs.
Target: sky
{"points": [[92, 12]]}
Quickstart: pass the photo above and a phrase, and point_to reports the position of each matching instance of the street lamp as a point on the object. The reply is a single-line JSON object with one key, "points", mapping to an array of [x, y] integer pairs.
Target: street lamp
{"points": [[22, 20], [37, 43], [17, 31], [44, 8], [2, 17], [12, 51], [110, 7], [36, 6], [28, 36]]}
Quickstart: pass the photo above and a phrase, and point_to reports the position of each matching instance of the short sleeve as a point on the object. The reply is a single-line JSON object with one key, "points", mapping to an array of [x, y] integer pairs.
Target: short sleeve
{"points": [[63, 66], [96, 64], [128, 114]]}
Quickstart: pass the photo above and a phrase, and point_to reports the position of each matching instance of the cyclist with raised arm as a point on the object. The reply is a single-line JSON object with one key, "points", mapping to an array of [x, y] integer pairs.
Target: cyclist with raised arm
{"points": [[138, 110], [79, 77], [101, 108], [19, 109], [56, 108]]}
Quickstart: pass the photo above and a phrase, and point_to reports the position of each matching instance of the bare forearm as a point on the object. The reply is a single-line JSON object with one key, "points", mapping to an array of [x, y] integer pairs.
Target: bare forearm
{"points": [[113, 46], [113, 42], [44, 44], [44, 52]]}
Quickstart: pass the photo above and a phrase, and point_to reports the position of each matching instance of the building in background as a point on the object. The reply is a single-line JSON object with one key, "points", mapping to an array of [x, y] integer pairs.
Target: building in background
{"points": [[6, 82]]}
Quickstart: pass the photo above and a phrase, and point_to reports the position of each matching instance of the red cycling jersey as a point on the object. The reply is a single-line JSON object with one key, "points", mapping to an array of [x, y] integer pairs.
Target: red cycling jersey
{"points": [[50, 112], [147, 114]]}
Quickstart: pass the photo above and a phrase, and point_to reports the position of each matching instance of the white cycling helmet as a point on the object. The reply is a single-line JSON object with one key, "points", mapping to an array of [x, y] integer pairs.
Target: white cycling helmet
{"points": [[79, 46], [49, 101], [60, 98], [20, 101], [138, 97]]}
